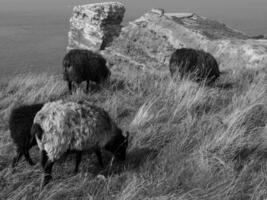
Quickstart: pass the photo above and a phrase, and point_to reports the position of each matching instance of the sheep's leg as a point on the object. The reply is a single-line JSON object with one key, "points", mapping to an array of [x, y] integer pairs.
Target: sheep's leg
{"points": [[69, 86], [44, 158], [16, 158], [31, 142], [27, 156], [87, 86], [47, 171], [78, 160], [99, 157]]}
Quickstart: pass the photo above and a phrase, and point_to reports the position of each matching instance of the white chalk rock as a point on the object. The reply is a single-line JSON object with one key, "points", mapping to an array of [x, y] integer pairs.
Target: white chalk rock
{"points": [[93, 26]]}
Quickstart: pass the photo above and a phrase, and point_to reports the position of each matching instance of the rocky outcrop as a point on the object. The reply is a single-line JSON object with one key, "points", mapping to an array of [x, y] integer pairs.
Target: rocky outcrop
{"points": [[93, 26], [152, 38], [149, 41]]}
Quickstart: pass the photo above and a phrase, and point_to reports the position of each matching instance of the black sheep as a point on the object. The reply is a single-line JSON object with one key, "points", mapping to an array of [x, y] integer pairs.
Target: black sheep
{"points": [[84, 65], [20, 123], [198, 64]]}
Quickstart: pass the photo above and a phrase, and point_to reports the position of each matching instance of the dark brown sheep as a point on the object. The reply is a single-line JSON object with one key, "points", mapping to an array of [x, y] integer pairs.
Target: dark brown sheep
{"points": [[84, 65], [197, 64]]}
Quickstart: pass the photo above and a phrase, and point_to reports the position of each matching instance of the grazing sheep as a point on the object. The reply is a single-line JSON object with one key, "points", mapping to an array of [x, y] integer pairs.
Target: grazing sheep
{"points": [[20, 123], [84, 65], [62, 127], [197, 63]]}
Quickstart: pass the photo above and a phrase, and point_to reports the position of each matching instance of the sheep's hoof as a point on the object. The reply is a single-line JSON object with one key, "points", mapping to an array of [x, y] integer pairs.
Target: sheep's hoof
{"points": [[45, 181], [12, 170], [32, 163], [14, 163]]}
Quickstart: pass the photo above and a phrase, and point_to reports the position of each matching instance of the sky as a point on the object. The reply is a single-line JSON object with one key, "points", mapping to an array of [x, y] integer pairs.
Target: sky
{"points": [[247, 15], [33, 33]]}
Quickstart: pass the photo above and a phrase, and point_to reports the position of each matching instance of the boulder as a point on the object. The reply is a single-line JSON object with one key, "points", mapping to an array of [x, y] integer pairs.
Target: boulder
{"points": [[93, 26]]}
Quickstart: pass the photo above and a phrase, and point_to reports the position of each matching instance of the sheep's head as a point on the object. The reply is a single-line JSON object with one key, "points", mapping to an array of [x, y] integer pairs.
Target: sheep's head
{"points": [[67, 72], [65, 75], [118, 145]]}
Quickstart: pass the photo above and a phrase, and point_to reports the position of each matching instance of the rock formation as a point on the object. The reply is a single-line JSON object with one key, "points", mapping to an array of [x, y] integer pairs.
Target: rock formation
{"points": [[153, 37], [148, 41], [93, 26]]}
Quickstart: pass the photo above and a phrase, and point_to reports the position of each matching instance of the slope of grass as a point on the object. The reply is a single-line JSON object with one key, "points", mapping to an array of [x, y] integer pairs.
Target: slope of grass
{"points": [[186, 140]]}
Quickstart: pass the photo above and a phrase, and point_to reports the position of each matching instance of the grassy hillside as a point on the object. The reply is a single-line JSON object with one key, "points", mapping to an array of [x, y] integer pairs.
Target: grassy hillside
{"points": [[184, 138]]}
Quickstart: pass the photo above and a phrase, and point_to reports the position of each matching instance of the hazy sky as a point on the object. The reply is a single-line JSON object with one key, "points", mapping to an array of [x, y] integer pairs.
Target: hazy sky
{"points": [[248, 15]]}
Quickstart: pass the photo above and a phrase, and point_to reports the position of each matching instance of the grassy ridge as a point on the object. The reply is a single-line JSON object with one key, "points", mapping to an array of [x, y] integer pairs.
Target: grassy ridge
{"points": [[184, 138]]}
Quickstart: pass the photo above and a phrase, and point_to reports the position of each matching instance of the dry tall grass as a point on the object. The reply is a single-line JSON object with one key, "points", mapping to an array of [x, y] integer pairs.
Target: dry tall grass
{"points": [[186, 140]]}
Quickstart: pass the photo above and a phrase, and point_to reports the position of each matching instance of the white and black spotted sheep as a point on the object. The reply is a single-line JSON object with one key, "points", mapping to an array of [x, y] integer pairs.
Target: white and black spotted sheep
{"points": [[60, 127]]}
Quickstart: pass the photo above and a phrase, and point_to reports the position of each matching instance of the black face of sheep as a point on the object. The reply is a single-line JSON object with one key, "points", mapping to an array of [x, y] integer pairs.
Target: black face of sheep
{"points": [[118, 145], [20, 122], [83, 65], [197, 64]]}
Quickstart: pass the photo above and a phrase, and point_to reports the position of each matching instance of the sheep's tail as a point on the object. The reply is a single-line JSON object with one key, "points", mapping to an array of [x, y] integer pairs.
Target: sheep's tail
{"points": [[36, 131]]}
